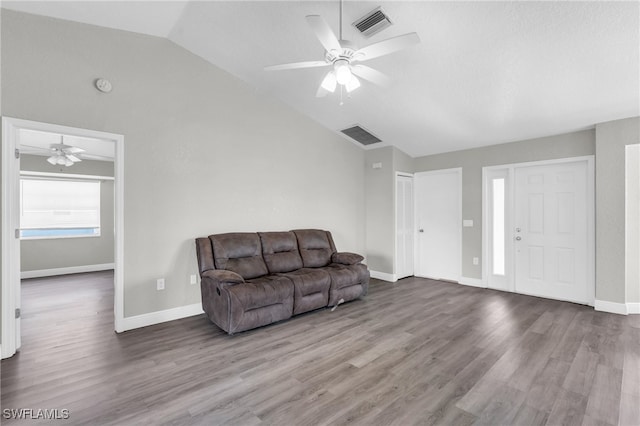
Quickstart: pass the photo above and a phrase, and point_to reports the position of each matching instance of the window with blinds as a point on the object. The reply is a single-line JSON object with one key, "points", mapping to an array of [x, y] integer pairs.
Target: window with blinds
{"points": [[57, 208]]}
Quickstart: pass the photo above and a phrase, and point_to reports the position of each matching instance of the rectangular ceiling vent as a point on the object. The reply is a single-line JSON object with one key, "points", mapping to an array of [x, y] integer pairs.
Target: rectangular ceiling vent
{"points": [[373, 22], [361, 135]]}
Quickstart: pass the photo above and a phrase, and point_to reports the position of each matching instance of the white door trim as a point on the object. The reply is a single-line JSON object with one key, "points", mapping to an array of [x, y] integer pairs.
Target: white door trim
{"points": [[591, 248], [457, 170], [395, 213], [10, 222], [10, 242]]}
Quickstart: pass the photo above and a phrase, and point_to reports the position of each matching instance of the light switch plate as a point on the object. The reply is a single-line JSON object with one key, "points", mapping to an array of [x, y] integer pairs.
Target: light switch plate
{"points": [[467, 223]]}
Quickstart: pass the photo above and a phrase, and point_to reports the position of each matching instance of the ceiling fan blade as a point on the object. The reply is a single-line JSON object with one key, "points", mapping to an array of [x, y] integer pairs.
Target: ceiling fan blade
{"points": [[371, 75], [96, 157], [32, 151], [35, 148], [73, 150], [296, 65], [387, 46], [324, 33], [66, 148], [73, 158]]}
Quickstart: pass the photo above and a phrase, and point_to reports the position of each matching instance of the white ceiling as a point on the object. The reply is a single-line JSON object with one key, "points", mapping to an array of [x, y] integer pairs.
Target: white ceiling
{"points": [[484, 73]]}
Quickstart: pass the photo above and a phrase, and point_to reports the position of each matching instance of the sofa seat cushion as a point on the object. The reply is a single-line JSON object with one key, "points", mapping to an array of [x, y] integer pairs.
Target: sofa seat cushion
{"points": [[259, 302], [239, 252], [311, 289], [280, 251], [263, 291]]}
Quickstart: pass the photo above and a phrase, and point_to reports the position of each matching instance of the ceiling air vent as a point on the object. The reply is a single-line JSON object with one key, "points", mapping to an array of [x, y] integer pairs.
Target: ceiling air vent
{"points": [[373, 22], [361, 135]]}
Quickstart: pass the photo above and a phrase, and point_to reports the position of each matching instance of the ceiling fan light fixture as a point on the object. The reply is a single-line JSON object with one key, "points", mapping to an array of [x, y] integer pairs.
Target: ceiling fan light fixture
{"points": [[343, 72], [329, 82], [353, 84]]}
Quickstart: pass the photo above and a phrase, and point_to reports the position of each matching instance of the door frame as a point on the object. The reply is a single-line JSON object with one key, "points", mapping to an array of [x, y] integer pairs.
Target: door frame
{"points": [[509, 215], [11, 221], [458, 171]]}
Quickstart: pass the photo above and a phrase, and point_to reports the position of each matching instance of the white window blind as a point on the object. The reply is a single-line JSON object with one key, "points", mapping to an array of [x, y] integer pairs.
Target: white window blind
{"points": [[55, 208]]}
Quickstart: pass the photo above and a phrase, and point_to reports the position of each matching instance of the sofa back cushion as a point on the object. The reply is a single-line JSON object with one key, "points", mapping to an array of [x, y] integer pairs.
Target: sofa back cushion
{"points": [[239, 252], [280, 251], [204, 252], [316, 247]]}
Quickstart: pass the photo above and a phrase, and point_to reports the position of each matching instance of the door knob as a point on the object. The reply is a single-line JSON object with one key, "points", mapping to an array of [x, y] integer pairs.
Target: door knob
{"points": [[518, 238], [420, 230]]}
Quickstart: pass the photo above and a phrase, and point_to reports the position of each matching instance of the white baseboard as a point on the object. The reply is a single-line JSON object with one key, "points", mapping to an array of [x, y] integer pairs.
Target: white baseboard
{"points": [[144, 320], [383, 276], [633, 308], [612, 307], [66, 271], [473, 282]]}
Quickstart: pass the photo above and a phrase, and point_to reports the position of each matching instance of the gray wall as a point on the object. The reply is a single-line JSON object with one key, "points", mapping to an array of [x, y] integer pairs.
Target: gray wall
{"points": [[611, 139], [55, 253], [473, 160], [379, 191], [607, 142], [380, 196], [203, 152]]}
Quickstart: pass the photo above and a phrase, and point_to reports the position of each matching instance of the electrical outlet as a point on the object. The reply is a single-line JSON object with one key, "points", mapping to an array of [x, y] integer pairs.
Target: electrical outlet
{"points": [[160, 284], [193, 279], [476, 261]]}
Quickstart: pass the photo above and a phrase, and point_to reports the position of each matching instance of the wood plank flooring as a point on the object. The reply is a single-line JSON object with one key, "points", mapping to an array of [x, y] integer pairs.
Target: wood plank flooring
{"points": [[414, 352]]}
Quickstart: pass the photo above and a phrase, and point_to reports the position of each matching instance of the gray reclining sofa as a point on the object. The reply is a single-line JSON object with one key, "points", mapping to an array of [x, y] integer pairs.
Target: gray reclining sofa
{"points": [[253, 279]]}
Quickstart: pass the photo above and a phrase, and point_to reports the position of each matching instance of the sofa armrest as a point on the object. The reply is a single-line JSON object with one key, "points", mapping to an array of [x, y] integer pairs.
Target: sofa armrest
{"points": [[345, 258], [222, 277]]}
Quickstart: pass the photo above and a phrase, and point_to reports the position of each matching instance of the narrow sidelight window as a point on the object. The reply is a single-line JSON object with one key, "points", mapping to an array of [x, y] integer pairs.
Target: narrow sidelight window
{"points": [[498, 226]]}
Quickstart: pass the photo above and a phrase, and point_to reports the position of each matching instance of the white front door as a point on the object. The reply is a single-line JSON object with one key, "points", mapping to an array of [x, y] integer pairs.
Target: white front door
{"points": [[404, 226], [551, 231], [439, 222]]}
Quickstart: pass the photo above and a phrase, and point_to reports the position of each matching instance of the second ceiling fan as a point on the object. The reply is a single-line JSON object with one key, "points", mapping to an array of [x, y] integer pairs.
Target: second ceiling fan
{"points": [[344, 56]]}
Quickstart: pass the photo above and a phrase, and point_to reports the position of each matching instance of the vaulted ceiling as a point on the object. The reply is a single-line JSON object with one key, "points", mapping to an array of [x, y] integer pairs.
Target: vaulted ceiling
{"points": [[484, 72]]}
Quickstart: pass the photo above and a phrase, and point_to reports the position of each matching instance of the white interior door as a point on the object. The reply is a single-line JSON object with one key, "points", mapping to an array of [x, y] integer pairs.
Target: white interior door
{"points": [[551, 231], [439, 221], [404, 226]]}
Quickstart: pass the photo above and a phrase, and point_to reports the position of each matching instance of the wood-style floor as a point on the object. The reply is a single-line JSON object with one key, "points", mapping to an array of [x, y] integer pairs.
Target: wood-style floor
{"points": [[415, 352]]}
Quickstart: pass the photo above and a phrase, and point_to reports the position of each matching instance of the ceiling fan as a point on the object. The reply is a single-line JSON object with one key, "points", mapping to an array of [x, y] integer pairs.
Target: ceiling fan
{"points": [[63, 154], [343, 56]]}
